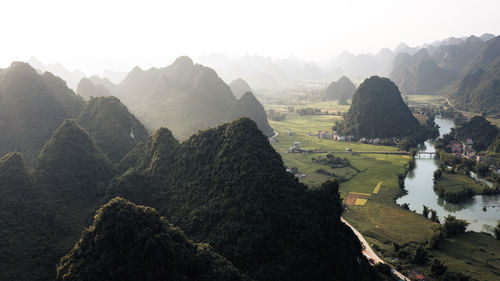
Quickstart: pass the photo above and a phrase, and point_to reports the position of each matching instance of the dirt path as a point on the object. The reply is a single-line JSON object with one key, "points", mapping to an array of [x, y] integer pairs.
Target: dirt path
{"points": [[368, 251]]}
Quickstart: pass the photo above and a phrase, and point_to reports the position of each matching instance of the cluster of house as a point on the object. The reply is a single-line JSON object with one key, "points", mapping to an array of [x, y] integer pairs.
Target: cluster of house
{"points": [[350, 138], [321, 134], [465, 149]]}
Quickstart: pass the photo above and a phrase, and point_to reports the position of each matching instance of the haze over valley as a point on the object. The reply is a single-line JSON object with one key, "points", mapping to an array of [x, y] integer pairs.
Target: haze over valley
{"points": [[230, 140]]}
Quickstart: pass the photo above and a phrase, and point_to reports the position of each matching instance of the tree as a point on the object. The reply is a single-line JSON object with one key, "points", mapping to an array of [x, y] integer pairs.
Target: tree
{"points": [[497, 231], [425, 211], [437, 268], [395, 246], [454, 226], [420, 255], [434, 216]]}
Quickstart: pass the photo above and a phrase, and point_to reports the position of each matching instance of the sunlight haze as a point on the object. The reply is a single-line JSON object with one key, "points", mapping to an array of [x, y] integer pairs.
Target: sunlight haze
{"points": [[117, 35]]}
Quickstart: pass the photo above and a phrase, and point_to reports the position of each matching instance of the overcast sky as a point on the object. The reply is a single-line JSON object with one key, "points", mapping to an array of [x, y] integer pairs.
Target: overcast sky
{"points": [[97, 35]]}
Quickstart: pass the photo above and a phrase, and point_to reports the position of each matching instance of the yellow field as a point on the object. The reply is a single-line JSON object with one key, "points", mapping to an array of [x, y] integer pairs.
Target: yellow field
{"points": [[377, 188], [360, 202], [359, 193]]}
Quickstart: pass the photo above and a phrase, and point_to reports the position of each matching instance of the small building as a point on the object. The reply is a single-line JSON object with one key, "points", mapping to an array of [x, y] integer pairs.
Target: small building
{"points": [[300, 176], [296, 145], [348, 149], [289, 132], [456, 147], [420, 277], [363, 139], [469, 141]]}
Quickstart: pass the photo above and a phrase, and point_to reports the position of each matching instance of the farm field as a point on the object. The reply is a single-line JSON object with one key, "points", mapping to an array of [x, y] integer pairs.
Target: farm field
{"points": [[379, 218], [426, 99]]}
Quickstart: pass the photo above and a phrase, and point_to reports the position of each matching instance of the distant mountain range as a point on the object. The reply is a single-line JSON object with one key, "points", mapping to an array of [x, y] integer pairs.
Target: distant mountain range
{"points": [[478, 89], [184, 97], [431, 69], [340, 89], [71, 77]]}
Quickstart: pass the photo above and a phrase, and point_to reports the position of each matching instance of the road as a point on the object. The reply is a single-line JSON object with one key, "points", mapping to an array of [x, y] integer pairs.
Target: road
{"points": [[275, 135], [368, 251]]}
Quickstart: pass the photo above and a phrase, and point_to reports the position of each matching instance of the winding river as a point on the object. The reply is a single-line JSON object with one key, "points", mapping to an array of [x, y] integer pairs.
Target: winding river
{"points": [[420, 192]]}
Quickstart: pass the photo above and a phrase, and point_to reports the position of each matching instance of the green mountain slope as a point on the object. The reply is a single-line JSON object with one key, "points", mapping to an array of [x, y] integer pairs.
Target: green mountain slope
{"points": [[73, 174], [419, 74], [113, 128], [228, 187], [378, 110], [480, 130], [129, 242], [27, 225], [249, 106]]}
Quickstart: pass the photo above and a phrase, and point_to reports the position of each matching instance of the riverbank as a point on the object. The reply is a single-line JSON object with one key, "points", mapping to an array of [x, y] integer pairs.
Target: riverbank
{"points": [[380, 220]]}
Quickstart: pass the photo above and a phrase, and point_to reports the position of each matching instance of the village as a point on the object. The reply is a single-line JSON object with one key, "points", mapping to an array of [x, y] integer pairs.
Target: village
{"points": [[465, 150], [333, 135]]}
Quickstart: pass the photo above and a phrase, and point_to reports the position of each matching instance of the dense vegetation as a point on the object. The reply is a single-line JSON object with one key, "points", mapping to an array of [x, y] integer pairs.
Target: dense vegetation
{"points": [[225, 186], [378, 110], [129, 242], [44, 212], [113, 128], [228, 187], [480, 130], [342, 89]]}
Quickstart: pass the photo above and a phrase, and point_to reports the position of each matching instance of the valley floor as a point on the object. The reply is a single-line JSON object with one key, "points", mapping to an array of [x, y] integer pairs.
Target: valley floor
{"points": [[380, 219]]}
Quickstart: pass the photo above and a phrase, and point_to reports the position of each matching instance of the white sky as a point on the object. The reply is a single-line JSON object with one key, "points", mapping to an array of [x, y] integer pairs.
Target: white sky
{"points": [[97, 35]]}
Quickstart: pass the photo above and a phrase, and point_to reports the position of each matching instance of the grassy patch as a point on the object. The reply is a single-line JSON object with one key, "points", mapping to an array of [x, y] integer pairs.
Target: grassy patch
{"points": [[475, 254], [456, 182], [426, 99]]}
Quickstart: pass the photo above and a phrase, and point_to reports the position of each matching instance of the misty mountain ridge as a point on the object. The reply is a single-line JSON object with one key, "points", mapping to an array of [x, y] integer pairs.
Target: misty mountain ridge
{"points": [[478, 90], [184, 97], [34, 105]]}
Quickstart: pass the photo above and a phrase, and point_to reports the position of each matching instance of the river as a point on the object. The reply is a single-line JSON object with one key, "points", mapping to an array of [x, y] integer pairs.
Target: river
{"points": [[419, 184]]}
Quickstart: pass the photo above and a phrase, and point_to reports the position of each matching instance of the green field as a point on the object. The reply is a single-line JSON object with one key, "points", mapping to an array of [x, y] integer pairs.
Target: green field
{"points": [[475, 254], [380, 217], [426, 99], [380, 220]]}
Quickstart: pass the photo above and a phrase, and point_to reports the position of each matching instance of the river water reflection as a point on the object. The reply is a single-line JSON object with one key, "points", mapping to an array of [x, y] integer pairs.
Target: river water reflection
{"points": [[420, 192]]}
